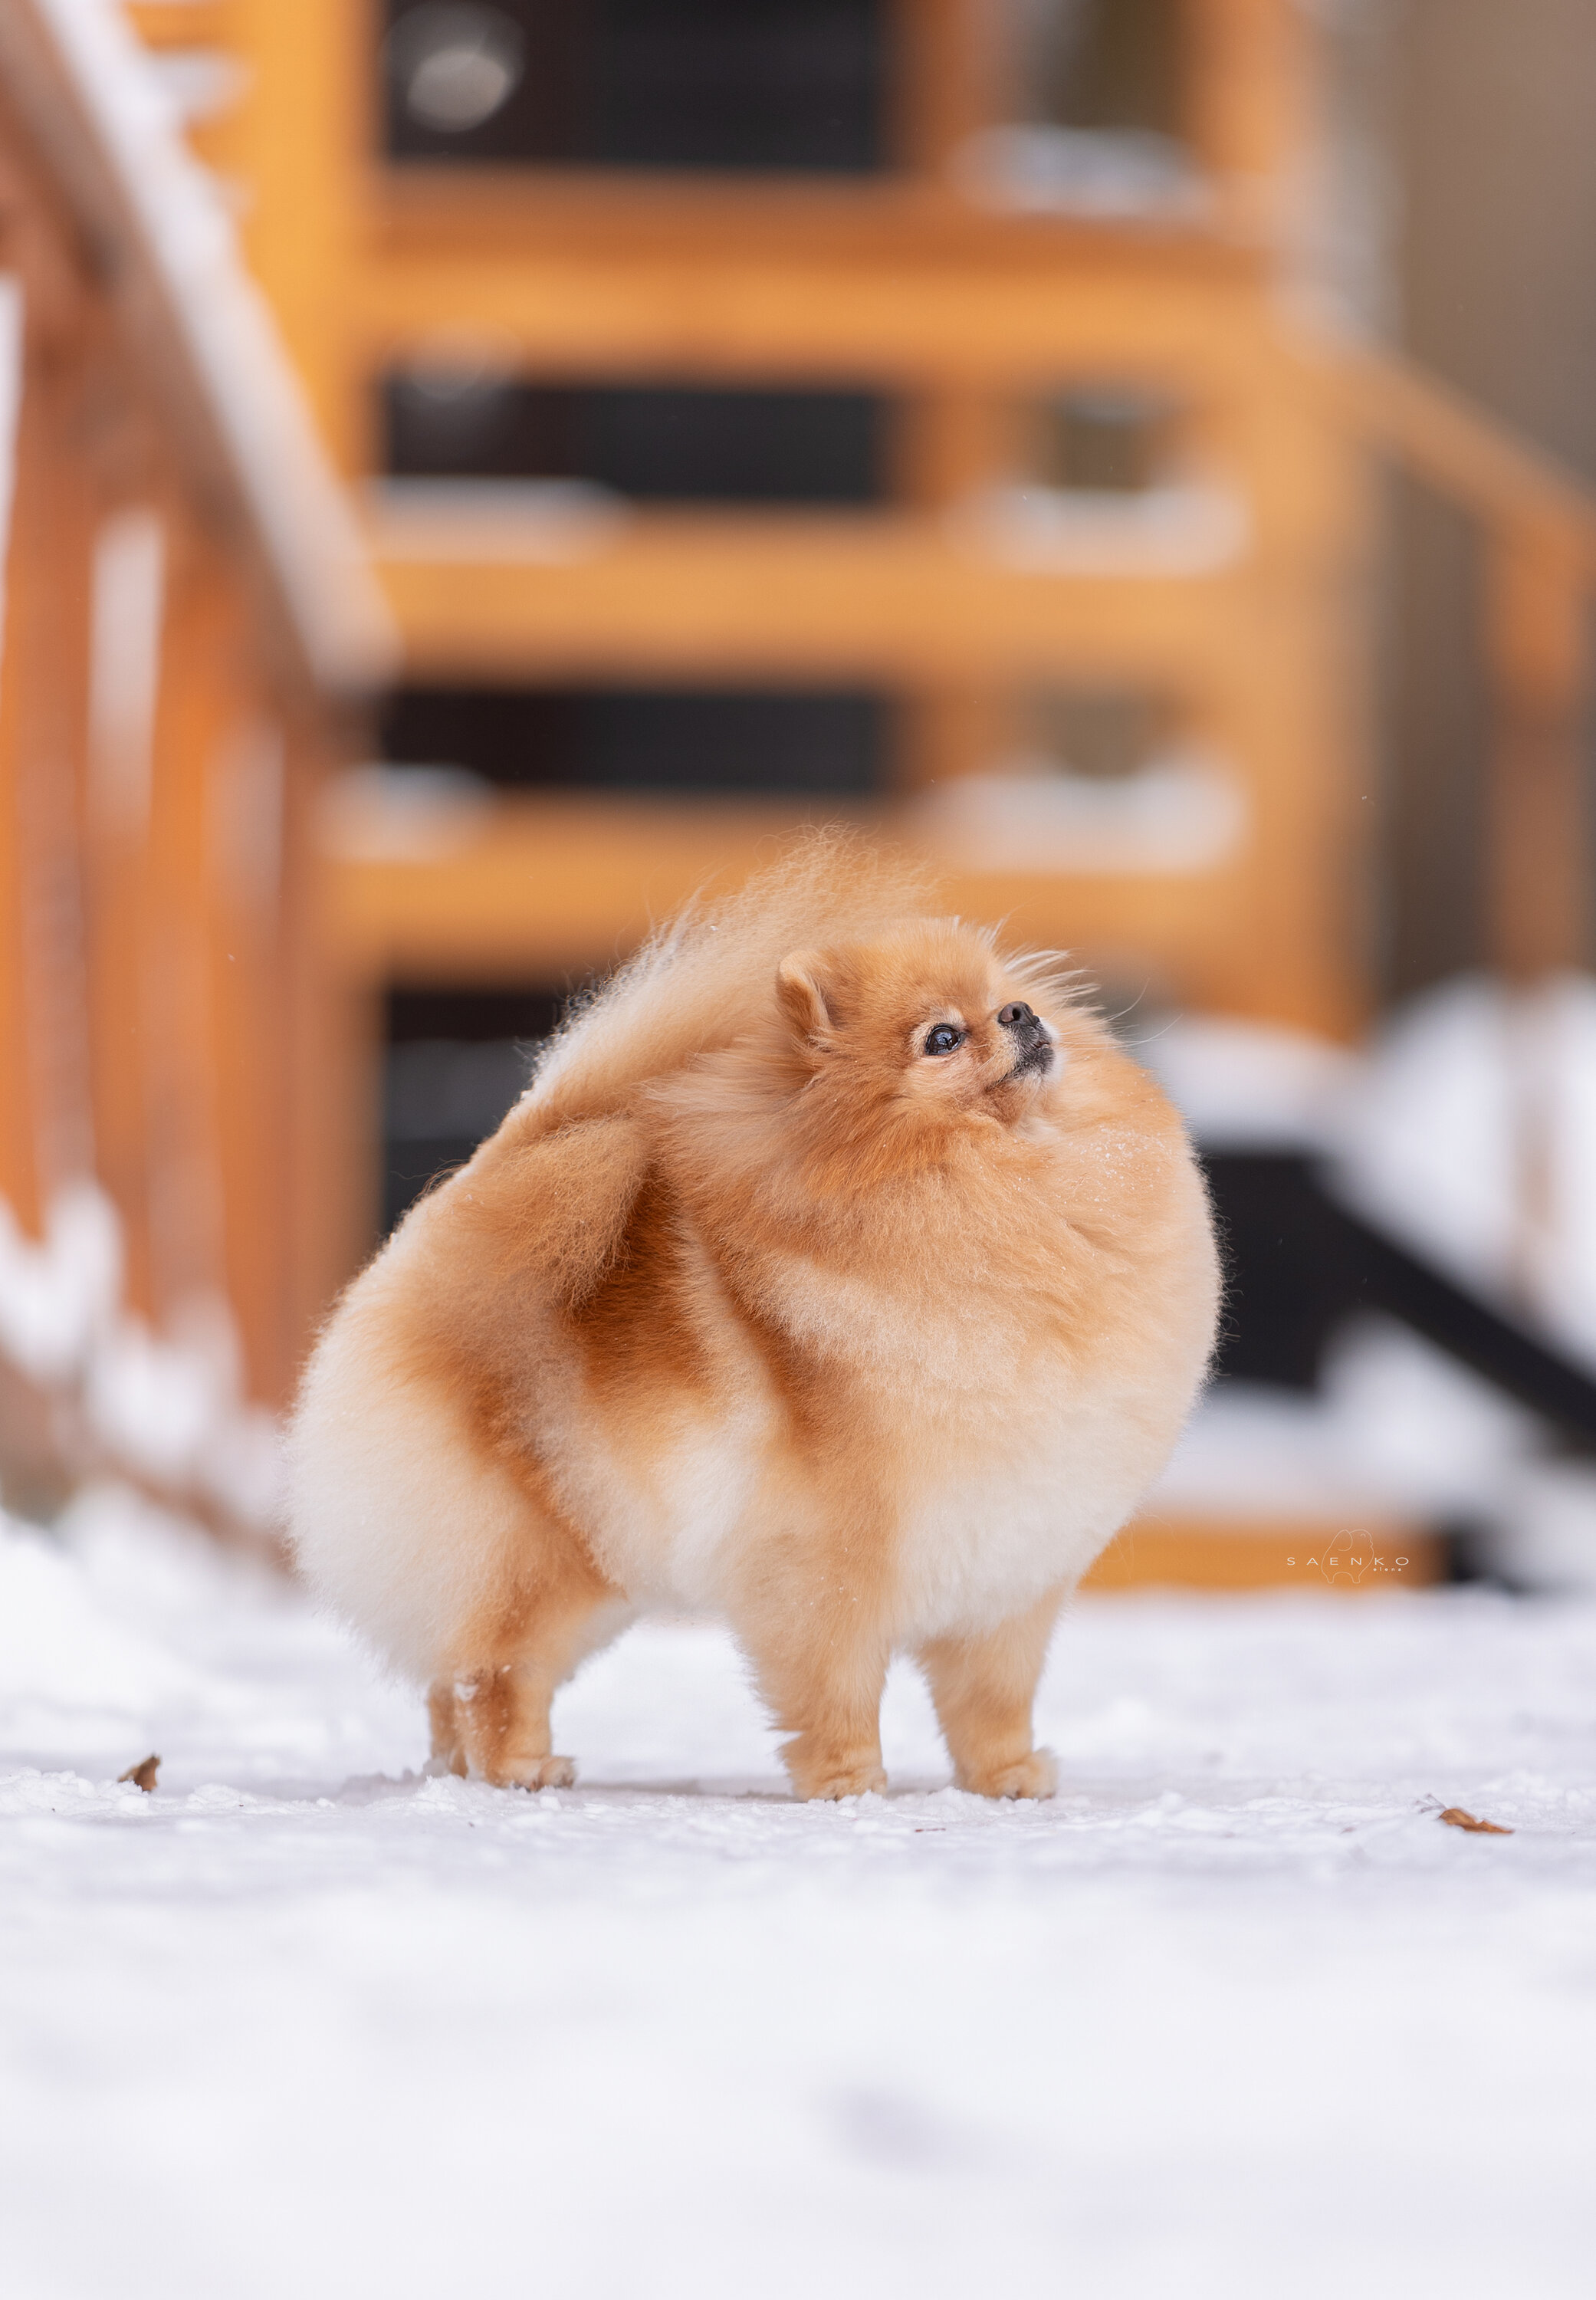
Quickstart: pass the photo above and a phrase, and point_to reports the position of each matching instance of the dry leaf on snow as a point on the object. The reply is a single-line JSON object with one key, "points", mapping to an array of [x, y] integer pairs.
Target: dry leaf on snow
{"points": [[1456, 1818]]}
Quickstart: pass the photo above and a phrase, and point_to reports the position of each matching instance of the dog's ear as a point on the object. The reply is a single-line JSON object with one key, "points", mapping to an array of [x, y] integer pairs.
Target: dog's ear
{"points": [[800, 991]]}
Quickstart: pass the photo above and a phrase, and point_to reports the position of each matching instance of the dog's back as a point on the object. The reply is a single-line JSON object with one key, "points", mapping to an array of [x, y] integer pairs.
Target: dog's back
{"points": [[693, 987]]}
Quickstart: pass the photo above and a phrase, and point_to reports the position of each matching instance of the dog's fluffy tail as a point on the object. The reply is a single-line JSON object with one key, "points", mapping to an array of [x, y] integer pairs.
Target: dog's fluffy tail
{"points": [[704, 980]]}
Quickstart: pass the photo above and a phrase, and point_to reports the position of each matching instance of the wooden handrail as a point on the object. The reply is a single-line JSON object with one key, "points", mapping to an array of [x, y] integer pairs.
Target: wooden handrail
{"points": [[1394, 408], [1540, 572]]}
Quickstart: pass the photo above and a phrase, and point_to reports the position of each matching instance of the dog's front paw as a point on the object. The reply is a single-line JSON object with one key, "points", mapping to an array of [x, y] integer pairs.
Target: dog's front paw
{"points": [[855, 1780], [836, 1780], [1035, 1775], [536, 1773]]}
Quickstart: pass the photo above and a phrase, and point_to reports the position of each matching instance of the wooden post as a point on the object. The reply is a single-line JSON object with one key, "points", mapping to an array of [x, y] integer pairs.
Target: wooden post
{"points": [[331, 1082], [1246, 105], [42, 739], [125, 621], [951, 80], [17, 1184], [948, 80], [950, 444], [246, 1014], [196, 712], [1538, 850], [1538, 817], [303, 140], [1293, 708]]}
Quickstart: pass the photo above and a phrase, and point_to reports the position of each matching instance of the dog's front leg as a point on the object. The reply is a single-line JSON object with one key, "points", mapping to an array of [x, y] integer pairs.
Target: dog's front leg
{"points": [[983, 1688]]}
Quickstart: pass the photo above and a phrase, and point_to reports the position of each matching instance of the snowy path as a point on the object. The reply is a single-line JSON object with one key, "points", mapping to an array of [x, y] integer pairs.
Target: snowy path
{"points": [[1234, 2015]]}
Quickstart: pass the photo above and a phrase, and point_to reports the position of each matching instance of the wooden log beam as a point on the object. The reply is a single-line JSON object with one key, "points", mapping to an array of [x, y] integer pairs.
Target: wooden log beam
{"points": [[916, 289], [821, 597], [541, 889], [863, 224]]}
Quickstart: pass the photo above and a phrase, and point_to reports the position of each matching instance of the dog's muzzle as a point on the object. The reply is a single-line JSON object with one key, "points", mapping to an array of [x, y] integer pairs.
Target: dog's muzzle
{"points": [[1030, 1035]]}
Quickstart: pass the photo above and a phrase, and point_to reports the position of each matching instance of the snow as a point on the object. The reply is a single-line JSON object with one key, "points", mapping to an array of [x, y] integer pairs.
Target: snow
{"points": [[1252, 1086], [1046, 170], [495, 521], [1185, 527], [1234, 2014], [1182, 813], [1464, 1097], [59, 1293], [169, 1408], [1466, 1100], [1396, 1427], [1474, 1096]]}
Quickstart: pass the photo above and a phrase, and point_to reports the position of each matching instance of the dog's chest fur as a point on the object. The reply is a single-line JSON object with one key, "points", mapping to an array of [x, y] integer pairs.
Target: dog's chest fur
{"points": [[987, 1470]]}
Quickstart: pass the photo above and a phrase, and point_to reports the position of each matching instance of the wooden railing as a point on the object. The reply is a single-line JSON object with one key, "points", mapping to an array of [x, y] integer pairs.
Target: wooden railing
{"points": [[1538, 524], [178, 571]]}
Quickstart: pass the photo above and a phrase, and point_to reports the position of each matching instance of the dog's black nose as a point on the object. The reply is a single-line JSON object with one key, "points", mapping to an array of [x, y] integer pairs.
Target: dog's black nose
{"points": [[1017, 1016]]}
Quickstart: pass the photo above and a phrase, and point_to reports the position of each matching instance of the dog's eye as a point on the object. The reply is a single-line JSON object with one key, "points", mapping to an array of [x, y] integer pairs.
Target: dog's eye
{"points": [[942, 1039]]}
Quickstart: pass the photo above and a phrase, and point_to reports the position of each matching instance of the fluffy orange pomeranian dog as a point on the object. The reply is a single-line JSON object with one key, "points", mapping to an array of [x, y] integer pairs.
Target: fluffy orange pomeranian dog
{"points": [[837, 1274]]}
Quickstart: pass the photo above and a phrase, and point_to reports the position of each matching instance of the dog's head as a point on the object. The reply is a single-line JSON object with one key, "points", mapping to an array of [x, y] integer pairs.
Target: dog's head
{"points": [[923, 1032]]}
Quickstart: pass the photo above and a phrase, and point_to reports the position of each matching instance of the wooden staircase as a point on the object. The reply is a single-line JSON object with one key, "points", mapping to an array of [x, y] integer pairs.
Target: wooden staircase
{"points": [[1236, 585]]}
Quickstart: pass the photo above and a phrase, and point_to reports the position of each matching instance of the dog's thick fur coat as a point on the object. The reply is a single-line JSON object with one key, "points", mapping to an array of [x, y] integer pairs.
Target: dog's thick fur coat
{"points": [[836, 1274]]}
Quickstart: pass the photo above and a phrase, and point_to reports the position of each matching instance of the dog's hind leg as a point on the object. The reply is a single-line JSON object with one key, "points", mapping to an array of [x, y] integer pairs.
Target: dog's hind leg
{"points": [[502, 1729], [448, 1750], [490, 1715]]}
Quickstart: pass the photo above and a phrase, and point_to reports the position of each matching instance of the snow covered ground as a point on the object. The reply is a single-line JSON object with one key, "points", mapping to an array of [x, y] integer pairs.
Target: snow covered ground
{"points": [[1234, 2015]]}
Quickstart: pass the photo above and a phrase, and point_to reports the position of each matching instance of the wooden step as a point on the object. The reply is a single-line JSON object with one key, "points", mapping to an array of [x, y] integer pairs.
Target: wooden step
{"points": [[541, 888], [897, 281], [483, 594]]}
